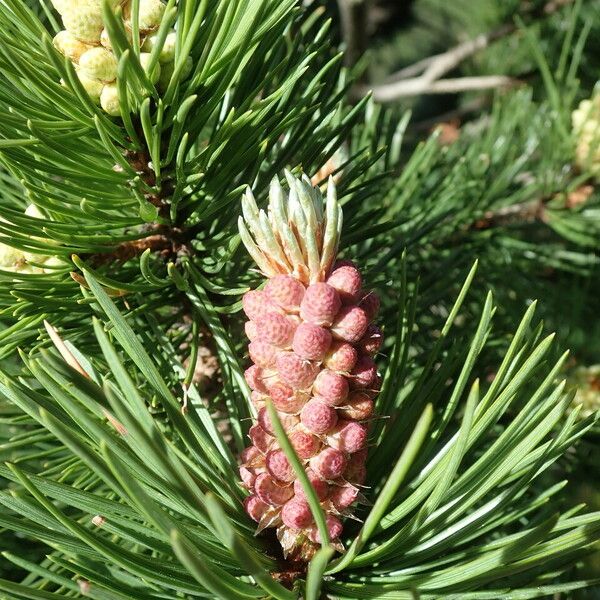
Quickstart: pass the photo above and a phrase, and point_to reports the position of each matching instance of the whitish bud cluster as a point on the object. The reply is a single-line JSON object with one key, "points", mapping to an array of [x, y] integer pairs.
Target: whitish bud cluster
{"points": [[312, 343], [86, 42], [20, 261], [586, 127]]}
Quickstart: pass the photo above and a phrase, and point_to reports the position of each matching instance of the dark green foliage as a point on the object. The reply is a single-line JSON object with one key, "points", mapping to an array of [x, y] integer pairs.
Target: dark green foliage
{"points": [[466, 470]]}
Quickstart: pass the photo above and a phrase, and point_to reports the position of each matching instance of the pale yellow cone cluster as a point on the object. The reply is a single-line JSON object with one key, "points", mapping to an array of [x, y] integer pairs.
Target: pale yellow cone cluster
{"points": [[587, 382], [86, 43], [586, 127], [19, 261]]}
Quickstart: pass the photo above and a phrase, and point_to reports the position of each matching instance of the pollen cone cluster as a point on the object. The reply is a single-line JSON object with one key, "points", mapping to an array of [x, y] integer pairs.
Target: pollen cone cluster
{"points": [[86, 42], [586, 380], [23, 262], [586, 127], [312, 343]]}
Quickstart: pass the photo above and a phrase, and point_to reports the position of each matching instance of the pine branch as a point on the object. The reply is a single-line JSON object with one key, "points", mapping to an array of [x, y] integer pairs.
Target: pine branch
{"points": [[433, 67], [108, 186], [170, 243], [522, 213], [155, 488], [401, 89]]}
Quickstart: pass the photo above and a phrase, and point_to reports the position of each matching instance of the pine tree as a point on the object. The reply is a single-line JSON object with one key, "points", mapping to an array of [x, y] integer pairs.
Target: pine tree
{"points": [[122, 266]]}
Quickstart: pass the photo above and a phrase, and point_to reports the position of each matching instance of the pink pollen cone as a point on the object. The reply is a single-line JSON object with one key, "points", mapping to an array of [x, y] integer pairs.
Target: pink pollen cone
{"points": [[279, 467], [358, 407], [258, 399], [264, 420], [343, 496], [320, 305], [350, 324], [250, 454], [348, 436], [256, 305], [255, 507], [317, 417], [356, 470], [370, 304], [296, 514], [286, 292], [321, 487], [260, 438], [331, 388], [251, 330], [329, 464], [305, 444], [371, 342], [334, 529], [262, 353], [311, 341], [312, 347], [346, 279], [341, 357], [286, 399], [364, 373], [254, 379], [270, 492], [276, 329], [248, 477], [295, 371]]}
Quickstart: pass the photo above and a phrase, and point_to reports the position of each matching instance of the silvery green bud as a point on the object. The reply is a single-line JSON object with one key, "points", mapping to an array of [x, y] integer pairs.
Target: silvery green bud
{"points": [[60, 5], [93, 87], [11, 258], [105, 39], [586, 127], [53, 263], [586, 379], [167, 72], [33, 211]]}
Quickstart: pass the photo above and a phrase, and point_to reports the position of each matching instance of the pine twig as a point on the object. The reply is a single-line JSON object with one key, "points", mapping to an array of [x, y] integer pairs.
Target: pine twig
{"points": [[458, 114], [523, 212], [532, 211], [420, 85], [437, 65], [168, 242], [424, 76]]}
